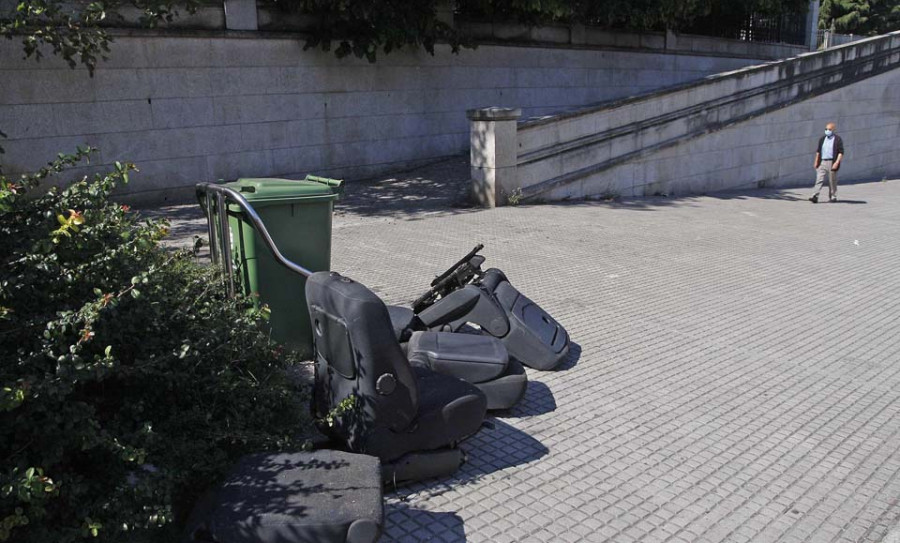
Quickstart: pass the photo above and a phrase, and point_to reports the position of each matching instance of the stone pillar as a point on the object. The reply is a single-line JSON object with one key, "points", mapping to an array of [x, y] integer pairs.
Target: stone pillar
{"points": [[493, 159], [812, 25], [241, 15], [577, 34], [671, 39], [445, 12]]}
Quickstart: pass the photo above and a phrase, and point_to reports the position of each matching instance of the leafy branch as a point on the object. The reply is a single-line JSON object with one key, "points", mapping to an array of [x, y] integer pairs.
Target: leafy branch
{"points": [[75, 32]]}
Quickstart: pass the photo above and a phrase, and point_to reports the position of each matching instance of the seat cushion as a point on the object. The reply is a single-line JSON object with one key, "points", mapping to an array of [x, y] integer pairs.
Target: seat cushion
{"points": [[448, 407], [321, 496], [450, 410], [472, 358], [506, 390]]}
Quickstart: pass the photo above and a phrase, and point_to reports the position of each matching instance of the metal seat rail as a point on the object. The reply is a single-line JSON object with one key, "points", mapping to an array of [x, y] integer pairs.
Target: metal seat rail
{"points": [[214, 200]]}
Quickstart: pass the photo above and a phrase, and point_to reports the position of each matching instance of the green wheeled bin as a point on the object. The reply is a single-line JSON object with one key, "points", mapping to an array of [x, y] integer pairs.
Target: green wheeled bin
{"points": [[297, 215]]}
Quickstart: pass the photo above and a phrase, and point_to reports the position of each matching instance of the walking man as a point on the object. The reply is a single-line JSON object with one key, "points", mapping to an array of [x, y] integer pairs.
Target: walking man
{"points": [[829, 154]]}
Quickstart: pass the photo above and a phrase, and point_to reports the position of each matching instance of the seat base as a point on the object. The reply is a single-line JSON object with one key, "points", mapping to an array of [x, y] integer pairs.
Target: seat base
{"points": [[418, 466], [507, 390], [450, 410]]}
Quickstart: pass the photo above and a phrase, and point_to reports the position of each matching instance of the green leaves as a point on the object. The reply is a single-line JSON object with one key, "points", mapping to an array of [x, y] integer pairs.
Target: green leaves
{"points": [[74, 34], [90, 528], [11, 522], [31, 490], [347, 408], [363, 28], [68, 225], [71, 35], [867, 17], [33, 486], [11, 397]]}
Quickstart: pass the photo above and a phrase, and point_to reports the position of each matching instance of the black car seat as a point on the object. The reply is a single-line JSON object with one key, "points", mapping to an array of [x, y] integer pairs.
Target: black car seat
{"points": [[368, 396]]}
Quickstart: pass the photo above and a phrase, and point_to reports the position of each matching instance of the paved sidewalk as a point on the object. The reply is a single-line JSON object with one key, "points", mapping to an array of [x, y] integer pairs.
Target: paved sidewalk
{"points": [[735, 374]]}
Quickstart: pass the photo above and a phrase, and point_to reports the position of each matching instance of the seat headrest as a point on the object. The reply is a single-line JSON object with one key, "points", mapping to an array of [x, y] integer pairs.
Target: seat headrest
{"points": [[492, 278]]}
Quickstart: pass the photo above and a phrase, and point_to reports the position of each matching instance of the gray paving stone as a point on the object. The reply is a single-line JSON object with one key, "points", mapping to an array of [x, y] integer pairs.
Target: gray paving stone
{"points": [[735, 374]]}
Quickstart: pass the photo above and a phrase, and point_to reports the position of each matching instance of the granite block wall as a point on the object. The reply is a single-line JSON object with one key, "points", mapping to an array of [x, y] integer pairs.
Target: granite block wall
{"points": [[203, 107]]}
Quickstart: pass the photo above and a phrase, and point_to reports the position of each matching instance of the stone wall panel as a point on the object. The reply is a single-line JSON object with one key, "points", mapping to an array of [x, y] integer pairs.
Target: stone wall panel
{"points": [[194, 100]]}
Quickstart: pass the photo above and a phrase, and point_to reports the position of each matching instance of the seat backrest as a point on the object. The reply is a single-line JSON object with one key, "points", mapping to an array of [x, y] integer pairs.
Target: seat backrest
{"points": [[357, 354]]}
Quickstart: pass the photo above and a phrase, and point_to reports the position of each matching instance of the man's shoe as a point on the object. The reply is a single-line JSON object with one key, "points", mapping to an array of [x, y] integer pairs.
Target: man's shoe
{"points": [[814, 198], [833, 199]]}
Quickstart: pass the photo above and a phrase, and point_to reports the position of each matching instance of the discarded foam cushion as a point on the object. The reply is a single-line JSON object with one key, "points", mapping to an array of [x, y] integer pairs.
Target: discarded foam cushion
{"points": [[312, 497]]}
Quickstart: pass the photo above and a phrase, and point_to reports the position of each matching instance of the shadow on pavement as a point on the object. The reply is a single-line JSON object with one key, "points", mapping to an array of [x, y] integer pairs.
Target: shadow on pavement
{"points": [[650, 203], [442, 188], [496, 447], [573, 358], [185, 222], [438, 188], [538, 400], [407, 525]]}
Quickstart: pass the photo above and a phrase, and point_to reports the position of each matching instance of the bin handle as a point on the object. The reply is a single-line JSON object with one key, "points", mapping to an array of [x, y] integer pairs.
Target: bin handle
{"points": [[220, 235], [336, 185]]}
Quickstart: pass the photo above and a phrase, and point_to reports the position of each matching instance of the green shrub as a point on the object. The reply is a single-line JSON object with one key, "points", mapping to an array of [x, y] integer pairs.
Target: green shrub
{"points": [[365, 27], [128, 381]]}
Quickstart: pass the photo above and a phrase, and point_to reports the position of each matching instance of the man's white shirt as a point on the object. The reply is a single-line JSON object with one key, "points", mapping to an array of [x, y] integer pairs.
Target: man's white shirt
{"points": [[828, 148]]}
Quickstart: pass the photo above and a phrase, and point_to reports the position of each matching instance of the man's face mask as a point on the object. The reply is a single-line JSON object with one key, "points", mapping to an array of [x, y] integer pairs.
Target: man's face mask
{"points": [[828, 132]]}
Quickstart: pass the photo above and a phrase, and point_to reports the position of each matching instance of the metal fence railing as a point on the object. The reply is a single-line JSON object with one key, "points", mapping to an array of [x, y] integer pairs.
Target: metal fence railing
{"points": [[826, 39], [788, 28]]}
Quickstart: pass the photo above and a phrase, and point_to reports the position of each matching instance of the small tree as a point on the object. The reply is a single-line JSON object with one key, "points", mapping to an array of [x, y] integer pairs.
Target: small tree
{"points": [[866, 17], [627, 14]]}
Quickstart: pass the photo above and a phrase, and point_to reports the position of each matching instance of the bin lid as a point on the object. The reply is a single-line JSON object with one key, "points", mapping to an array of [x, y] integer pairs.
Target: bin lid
{"points": [[271, 190]]}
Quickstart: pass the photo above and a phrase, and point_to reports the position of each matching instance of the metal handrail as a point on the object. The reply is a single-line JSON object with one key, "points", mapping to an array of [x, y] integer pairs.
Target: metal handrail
{"points": [[220, 237]]}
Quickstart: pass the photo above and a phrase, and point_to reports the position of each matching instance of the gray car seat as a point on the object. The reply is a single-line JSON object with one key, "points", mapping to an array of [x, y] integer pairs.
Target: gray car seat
{"points": [[529, 333], [368, 396], [480, 360]]}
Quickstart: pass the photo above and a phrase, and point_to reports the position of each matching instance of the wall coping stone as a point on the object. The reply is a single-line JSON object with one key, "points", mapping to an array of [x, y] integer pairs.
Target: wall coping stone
{"points": [[735, 74], [494, 114], [280, 30], [706, 116]]}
